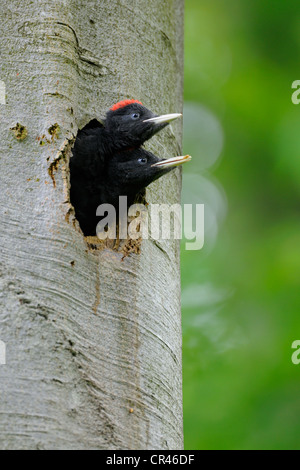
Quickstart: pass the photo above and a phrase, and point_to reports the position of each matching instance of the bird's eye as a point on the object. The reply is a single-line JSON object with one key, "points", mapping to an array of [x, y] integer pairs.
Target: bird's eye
{"points": [[142, 160], [135, 116]]}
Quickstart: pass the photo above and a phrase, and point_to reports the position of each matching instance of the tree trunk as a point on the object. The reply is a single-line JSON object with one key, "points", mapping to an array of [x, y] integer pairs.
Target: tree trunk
{"points": [[93, 339]]}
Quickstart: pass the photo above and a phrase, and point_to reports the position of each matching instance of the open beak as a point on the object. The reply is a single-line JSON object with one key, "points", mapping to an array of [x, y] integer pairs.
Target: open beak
{"points": [[170, 162], [163, 118]]}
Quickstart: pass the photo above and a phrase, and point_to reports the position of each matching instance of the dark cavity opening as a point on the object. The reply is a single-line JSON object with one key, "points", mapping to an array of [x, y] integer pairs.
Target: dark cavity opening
{"points": [[85, 189], [83, 195]]}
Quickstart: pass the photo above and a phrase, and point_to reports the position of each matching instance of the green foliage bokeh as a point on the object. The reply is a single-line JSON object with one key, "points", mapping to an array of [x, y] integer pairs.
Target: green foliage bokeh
{"points": [[241, 292]]}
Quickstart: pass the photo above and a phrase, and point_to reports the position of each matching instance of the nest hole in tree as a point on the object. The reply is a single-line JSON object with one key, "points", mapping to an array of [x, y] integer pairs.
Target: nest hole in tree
{"points": [[89, 224]]}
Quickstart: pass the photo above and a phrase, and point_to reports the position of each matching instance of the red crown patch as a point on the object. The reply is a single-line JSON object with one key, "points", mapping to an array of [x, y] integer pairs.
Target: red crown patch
{"points": [[123, 103]]}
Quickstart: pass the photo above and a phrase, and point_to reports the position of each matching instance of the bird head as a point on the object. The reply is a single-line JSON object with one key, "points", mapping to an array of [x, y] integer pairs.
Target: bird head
{"points": [[130, 124], [131, 171]]}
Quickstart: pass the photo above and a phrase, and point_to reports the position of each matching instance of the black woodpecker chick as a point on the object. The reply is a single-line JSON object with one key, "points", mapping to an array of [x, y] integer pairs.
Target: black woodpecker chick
{"points": [[108, 161]]}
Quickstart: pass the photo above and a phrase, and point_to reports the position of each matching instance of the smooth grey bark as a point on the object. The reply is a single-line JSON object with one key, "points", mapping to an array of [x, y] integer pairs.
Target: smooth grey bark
{"points": [[93, 340]]}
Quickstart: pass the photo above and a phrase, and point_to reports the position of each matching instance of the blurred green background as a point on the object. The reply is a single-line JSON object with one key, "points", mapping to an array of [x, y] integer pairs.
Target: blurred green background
{"points": [[241, 292]]}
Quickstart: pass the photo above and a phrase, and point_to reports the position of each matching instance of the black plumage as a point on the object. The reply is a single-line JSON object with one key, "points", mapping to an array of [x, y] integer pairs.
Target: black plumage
{"points": [[108, 160]]}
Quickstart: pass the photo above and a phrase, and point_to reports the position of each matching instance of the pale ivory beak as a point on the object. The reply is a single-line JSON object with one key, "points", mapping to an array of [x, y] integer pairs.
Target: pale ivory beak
{"points": [[163, 118], [174, 161]]}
